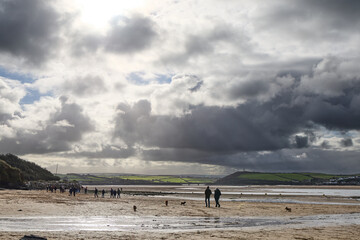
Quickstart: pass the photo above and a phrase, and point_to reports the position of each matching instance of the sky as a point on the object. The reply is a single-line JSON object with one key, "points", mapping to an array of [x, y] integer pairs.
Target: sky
{"points": [[181, 87]]}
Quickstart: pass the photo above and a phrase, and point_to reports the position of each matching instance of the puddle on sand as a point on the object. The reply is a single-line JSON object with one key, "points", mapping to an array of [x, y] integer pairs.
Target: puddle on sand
{"points": [[152, 223]]}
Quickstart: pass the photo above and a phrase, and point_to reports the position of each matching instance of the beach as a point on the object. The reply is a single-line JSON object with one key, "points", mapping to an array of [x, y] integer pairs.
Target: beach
{"points": [[245, 213]]}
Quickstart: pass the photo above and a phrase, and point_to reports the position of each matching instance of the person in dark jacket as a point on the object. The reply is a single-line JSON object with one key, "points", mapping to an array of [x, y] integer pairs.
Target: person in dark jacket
{"points": [[217, 194], [207, 196]]}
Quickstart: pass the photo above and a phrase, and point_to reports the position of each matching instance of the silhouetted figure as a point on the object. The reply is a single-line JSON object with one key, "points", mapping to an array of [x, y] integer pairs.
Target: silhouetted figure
{"points": [[118, 193], [207, 196], [103, 193], [85, 190], [96, 193], [217, 194]]}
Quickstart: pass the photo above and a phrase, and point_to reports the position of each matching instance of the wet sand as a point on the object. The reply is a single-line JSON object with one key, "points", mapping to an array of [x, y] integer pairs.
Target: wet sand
{"points": [[245, 219]]}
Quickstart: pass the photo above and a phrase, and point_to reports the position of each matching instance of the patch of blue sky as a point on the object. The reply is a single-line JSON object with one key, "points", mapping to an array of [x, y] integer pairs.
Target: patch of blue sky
{"points": [[30, 97], [137, 78], [164, 79], [140, 78], [24, 78]]}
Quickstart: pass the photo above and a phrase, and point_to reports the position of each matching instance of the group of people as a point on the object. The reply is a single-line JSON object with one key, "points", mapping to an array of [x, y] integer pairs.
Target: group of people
{"points": [[53, 188], [208, 193], [113, 193], [116, 193]]}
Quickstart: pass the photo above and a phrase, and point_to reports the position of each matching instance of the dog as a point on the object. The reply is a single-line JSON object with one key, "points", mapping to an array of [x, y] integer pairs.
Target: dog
{"points": [[183, 203], [288, 209], [166, 202], [134, 207]]}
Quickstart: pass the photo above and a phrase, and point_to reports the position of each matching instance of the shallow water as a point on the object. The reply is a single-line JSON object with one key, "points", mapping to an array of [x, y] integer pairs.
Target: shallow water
{"points": [[153, 223], [336, 191], [260, 200]]}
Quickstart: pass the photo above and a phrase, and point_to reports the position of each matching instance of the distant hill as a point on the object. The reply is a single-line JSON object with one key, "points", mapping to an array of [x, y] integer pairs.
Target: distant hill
{"points": [[11, 166], [9, 176], [120, 179], [260, 178]]}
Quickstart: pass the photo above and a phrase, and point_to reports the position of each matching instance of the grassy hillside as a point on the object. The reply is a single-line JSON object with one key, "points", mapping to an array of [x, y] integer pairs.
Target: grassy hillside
{"points": [[30, 171], [9, 176], [134, 179], [245, 178]]}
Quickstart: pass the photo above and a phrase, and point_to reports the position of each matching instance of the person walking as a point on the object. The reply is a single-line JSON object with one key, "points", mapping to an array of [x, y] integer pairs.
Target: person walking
{"points": [[217, 194], [118, 193], [103, 193], [96, 193], [207, 196]]}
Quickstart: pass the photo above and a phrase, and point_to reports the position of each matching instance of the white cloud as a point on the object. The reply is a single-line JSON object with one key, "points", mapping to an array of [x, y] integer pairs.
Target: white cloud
{"points": [[180, 83]]}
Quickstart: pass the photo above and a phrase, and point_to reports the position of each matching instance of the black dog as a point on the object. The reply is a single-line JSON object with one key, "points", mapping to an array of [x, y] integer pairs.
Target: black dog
{"points": [[288, 209], [183, 203]]}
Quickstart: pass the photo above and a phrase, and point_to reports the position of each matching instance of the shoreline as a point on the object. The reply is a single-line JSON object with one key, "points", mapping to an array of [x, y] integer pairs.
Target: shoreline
{"points": [[35, 204]]}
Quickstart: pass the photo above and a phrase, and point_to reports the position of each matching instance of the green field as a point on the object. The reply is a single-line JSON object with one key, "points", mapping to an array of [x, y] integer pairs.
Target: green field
{"points": [[287, 177], [168, 179], [157, 179]]}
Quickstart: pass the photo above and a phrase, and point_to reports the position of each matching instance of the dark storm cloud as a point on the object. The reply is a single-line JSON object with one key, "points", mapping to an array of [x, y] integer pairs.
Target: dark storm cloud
{"points": [[338, 14], [332, 113], [252, 126], [130, 35], [325, 144], [28, 29], [294, 160], [346, 142], [286, 120], [330, 20], [285, 160], [301, 141], [248, 89], [248, 127], [85, 86], [64, 127]]}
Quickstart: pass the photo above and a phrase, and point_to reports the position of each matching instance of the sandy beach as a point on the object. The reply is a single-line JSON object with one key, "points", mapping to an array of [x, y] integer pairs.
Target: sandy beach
{"points": [[251, 216]]}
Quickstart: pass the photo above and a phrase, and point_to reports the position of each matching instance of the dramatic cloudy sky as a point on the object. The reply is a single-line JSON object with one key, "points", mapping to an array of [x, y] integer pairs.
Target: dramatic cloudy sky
{"points": [[190, 86]]}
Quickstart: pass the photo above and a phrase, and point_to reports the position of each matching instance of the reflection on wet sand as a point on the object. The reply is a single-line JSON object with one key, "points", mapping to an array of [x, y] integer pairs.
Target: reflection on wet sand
{"points": [[151, 223]]}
